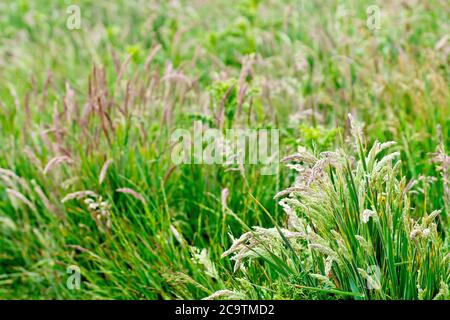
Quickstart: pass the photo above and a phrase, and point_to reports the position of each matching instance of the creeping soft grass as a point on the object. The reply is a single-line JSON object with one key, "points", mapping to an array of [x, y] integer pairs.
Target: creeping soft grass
{"points": [[88, 187]]}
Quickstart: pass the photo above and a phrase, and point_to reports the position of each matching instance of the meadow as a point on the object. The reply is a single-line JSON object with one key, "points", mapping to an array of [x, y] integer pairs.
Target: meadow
{"points": [[93, 205]]}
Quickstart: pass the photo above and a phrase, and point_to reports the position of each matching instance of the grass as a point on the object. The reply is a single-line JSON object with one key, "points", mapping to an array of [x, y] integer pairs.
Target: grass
{"points": [[87, 117]]}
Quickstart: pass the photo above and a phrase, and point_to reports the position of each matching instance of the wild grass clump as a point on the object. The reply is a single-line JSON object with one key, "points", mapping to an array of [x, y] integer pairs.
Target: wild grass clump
{"points": [[351, 230]]}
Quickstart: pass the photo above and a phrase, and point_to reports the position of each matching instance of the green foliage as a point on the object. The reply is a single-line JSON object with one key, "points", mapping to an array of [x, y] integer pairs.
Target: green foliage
{"points": [[92, 111], [318, 137]]}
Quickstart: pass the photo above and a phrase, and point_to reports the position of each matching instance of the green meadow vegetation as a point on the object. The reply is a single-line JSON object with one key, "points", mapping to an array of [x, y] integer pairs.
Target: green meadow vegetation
{"points": [[358, 208]]}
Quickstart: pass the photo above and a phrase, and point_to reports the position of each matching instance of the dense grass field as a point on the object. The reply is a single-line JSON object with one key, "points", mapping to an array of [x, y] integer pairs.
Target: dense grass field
{"points": [[93, 205]]}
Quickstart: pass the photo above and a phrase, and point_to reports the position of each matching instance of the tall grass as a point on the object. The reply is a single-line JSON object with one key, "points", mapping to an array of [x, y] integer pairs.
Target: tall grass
{"points": [[351, 229], [86, 175]]}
